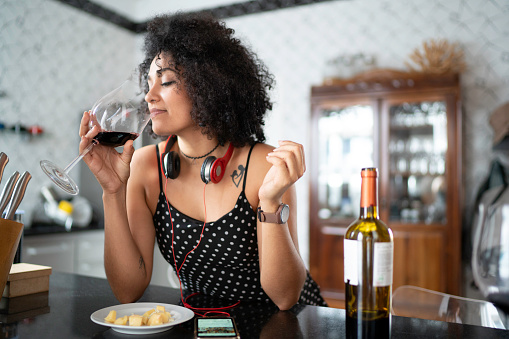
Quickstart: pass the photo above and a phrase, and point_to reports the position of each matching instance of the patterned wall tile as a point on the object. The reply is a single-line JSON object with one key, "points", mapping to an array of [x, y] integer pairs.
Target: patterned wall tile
{"points": [[54, 62]]}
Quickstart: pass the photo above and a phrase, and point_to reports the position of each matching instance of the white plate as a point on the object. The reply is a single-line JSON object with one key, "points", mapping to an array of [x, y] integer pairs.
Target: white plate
{"points": [[178, 313]]}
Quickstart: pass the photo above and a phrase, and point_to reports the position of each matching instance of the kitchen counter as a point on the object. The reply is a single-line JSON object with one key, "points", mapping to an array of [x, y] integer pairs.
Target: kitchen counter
{"points": [[73, 298]]}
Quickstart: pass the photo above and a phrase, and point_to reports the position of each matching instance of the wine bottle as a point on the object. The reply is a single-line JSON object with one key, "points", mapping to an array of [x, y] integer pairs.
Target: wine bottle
{"points": [[368, 255]]}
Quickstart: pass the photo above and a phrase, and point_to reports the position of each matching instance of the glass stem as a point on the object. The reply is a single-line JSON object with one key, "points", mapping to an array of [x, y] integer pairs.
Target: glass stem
{"points": [[79, 157]]}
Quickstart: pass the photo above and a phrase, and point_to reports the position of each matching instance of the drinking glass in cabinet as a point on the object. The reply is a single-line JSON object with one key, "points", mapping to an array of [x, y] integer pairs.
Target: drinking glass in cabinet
{"points": [[417, 148], [344, 147]]}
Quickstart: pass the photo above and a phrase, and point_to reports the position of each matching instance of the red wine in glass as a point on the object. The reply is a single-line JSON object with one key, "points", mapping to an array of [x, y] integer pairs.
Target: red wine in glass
{"points": [[115, 139]]}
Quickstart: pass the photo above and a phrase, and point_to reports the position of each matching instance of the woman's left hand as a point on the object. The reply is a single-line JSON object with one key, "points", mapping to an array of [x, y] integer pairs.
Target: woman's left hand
{"points": [[288, 165]]}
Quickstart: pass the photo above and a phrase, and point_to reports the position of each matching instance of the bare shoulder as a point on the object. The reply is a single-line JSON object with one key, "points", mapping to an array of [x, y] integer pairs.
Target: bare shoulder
{"points": [[145, 172], [145, 155], [257, 169], [259, 154], [263, 149]]}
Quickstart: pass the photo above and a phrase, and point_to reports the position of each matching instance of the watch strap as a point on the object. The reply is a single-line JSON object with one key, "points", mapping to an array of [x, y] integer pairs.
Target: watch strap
{"points": [[273, 218]]}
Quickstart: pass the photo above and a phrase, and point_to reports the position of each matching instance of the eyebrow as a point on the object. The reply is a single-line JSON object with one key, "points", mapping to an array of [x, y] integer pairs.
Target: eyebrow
{"points": [[161, 71]]}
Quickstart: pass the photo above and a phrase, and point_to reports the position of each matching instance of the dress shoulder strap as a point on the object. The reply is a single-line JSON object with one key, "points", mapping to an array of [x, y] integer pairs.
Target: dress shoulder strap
{"points": [[247, 166], [159, 168]]}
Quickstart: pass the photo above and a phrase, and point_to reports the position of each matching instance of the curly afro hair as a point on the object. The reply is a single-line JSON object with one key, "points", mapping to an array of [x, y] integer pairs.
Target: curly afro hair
{"points": [[227, 83]]}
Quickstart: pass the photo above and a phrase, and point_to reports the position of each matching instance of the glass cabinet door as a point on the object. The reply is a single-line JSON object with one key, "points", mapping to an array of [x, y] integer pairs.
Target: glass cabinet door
{"points": [[345, 145], [417, 161]]}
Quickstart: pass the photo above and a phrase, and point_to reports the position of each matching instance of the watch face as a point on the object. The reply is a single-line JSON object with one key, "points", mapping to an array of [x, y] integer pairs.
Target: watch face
{"points": [[285, 213]]}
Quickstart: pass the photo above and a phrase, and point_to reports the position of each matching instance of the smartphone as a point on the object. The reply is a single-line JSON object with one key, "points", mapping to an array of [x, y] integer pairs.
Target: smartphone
{"points": [[215, 327]]}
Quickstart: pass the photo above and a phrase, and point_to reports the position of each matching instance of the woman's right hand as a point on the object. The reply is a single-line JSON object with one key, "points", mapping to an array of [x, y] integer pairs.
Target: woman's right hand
{"points": [[111, 169]]}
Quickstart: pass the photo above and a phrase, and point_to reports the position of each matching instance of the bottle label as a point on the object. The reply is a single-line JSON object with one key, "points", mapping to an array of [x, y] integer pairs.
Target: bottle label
{"points": [[353, 259], [382, 263], [382, 267]]}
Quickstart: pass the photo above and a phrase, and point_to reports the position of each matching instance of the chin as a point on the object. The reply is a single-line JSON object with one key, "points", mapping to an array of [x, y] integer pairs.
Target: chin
{"points": [[159, 130]]}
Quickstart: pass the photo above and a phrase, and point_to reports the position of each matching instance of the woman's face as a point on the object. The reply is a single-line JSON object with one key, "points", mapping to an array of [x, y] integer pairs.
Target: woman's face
{"points": [[169, 104]]}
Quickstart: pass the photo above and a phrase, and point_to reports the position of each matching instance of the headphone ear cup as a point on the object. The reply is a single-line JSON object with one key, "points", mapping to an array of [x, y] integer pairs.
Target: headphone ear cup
{"points": [[206, 169], [171, 165]]}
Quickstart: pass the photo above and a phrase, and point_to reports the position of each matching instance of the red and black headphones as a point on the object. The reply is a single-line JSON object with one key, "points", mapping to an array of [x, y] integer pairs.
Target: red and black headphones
{"points": [[212, 170]]}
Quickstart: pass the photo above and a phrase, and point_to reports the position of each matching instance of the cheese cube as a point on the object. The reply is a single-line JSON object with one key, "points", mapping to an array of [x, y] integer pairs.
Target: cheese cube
{"points": [[121, 321], [110, 318], [155, 319], [135, 320]]}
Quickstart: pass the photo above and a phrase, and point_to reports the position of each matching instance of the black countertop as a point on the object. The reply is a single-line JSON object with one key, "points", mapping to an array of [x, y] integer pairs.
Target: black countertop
{"points": [[65, 312]]}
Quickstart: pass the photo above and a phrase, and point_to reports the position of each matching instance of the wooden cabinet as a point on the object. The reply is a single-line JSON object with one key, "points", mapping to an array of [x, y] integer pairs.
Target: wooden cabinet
{"points": [[409, 126]]}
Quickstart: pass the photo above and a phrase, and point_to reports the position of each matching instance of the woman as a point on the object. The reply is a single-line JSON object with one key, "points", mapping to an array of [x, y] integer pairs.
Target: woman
{"points": [[210, 93]]}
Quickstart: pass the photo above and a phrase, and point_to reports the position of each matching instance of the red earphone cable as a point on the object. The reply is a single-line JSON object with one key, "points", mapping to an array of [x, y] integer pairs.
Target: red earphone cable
{"points": [[202, 229], [177, 270]]}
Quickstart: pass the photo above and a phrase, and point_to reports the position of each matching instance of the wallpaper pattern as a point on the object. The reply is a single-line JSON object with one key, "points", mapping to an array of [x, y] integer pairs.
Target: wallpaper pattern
{"points": [[55, 60]]}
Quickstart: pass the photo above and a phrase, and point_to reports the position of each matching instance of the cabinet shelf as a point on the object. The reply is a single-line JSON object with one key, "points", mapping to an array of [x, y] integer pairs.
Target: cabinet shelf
{"points": [[407, 174], [425, 129]]}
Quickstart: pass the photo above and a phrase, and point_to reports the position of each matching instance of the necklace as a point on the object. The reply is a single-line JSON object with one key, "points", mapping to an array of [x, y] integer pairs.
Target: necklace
{"points": [[203, 156]]}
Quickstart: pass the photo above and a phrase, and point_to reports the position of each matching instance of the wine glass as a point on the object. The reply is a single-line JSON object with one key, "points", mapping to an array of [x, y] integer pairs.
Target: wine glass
{"points": [[490, 258], [120, 115]]}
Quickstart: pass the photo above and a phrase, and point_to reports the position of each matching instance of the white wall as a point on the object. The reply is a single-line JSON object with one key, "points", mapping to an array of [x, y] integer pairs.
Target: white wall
{"points": [[55, 60]]}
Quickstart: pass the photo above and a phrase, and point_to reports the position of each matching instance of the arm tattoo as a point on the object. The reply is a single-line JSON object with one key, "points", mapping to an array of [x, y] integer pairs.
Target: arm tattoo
{"points": [[142, 266], [237, 176]]}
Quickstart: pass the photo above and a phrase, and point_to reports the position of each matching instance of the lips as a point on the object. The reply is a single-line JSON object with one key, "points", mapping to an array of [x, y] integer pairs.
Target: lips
{"points": [[154, 112]]}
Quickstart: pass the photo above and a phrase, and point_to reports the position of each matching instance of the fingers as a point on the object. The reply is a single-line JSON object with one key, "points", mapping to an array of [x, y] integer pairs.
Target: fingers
{"points": [[290, 155], [88, 137], [128, 151], [85, 119]]}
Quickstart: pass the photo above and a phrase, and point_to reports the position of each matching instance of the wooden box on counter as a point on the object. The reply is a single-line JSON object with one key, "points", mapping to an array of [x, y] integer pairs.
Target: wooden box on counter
{"points": [[25, 279]]}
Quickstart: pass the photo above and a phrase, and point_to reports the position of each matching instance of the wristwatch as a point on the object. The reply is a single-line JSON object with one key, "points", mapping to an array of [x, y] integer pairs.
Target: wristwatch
{"points": [[280, 217]]}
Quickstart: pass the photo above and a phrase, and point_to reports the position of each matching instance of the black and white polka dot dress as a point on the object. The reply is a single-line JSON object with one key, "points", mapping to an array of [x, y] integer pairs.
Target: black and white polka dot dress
{"points": [[225, 264]]}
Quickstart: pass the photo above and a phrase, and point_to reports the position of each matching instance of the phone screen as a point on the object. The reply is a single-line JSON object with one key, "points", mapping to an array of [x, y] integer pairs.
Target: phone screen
{"points": [[215, 327]]}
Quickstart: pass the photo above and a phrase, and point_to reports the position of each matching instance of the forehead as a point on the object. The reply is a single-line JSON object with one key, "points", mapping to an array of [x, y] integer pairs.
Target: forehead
{"points": [[161, 63]]}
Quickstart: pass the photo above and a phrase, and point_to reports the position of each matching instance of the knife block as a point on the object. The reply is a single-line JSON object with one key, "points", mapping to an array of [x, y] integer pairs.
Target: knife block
{"points": [[10, 233]]}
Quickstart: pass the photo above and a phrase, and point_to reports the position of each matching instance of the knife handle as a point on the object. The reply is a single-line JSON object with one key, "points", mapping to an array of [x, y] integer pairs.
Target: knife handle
{"points": [[17, 196], [7, 191], [4, 159]]}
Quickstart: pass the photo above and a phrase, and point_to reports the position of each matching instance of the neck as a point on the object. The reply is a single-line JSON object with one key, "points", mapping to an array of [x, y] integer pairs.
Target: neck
{"points": [[197, 149]]}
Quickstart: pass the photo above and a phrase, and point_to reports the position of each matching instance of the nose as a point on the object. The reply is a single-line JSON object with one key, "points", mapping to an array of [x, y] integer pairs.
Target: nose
{"points": [[150, 96]]}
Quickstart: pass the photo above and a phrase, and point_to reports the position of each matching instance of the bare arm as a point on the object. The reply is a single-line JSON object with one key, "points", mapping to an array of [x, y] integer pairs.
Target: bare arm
{"points": [[129, 231], [282, 270]]}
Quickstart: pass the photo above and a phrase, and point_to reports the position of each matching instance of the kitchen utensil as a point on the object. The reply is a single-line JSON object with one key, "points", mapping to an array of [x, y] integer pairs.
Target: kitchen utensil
{"points": [[7, 191], [49, 195], [4, 159], [82, 212], [18, 194]]}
